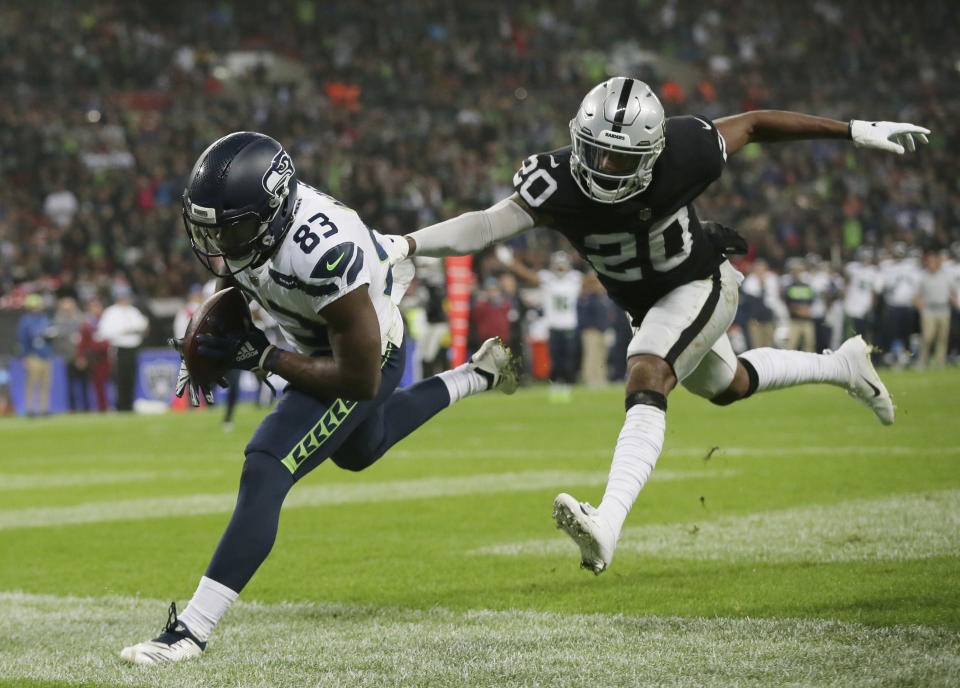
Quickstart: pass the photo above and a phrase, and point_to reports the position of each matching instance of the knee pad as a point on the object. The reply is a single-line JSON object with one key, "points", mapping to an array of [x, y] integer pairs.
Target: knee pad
{"points": [[647, 397]]}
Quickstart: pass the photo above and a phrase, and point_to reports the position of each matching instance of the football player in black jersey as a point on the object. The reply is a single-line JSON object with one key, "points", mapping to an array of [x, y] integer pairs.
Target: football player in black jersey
{"points": [[622, 193]]}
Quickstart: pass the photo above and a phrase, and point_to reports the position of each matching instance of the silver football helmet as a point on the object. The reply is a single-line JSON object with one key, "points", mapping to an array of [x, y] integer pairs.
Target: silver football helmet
{"points": [[617, 135]]}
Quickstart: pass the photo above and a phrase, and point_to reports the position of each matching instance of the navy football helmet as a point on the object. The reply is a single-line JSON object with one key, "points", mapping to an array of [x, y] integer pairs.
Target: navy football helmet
{"points": [[239, 201]]}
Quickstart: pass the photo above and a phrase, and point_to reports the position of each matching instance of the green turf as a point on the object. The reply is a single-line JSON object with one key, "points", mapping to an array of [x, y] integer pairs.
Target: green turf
{"points": [[480, 541]]}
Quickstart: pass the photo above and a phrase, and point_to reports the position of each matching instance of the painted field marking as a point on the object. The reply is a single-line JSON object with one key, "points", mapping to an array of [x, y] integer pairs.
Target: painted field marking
{"points": [[320, 495], [10, 482], [606, 451], [898, 527]]}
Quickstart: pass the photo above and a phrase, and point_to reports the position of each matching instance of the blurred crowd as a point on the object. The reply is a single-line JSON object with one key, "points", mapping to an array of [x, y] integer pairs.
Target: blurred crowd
{"points": [[906, 301], [414, 112]]}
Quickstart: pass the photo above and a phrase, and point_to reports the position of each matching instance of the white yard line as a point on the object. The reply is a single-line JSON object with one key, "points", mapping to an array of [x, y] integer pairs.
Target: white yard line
{"points": [[77, 640], [321, 495], [10, 482], [899, 527], [606, 451]]}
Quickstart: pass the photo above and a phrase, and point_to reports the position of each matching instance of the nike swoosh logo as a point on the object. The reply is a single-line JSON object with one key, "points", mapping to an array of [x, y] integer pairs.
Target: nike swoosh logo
{"points": [[331, 266], [876, 391], [706, 125]]}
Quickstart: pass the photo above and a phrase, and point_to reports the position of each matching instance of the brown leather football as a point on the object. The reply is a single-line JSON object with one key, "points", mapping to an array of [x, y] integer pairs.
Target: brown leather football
{"points": [[223, 314]]}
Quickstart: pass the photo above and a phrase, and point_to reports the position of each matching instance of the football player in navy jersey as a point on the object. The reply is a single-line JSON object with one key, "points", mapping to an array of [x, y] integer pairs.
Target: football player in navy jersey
{"points": [[622, 193], [322, 275]]}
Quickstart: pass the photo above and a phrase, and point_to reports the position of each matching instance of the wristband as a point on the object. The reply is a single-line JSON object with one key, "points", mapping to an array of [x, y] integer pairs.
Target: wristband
{"points": [[268, 358]]}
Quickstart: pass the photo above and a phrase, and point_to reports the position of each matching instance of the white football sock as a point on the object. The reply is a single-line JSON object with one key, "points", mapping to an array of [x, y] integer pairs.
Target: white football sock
{"points": [[638, 448], [462, 381], [780, 368], [209, 603]]}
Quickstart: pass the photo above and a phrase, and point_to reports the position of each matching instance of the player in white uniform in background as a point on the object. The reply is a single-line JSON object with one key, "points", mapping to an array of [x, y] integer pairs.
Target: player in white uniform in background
{"points": [[901, 275], [820, 279], [560, 288], [863, 284], [313, 265]]}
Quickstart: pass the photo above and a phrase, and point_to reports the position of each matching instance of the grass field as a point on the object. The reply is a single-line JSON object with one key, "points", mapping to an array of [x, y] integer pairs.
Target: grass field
{"points": [[813, 547]]}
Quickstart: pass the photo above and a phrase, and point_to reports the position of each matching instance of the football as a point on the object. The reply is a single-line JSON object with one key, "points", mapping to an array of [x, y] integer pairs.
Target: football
{"points": [[223, 314]]}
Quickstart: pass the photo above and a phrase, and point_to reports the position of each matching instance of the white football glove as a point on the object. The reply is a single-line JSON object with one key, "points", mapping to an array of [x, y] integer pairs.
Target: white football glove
{"points": [[396, 247], [185, 383], [895, 137]]}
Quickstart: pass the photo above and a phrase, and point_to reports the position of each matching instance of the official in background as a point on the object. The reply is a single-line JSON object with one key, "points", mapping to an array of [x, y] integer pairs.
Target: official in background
{"points": [[123, 326]]}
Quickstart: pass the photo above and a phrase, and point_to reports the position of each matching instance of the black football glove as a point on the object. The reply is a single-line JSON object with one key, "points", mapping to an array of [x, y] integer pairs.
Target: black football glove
{"points": [[185, 383], [243, 351], [725, 240]]}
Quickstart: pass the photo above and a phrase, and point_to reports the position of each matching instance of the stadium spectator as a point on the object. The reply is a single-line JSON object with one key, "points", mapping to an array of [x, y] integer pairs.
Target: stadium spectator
{"points": [[61, 204], [412, 159], [66, 335], [33, 336], [933, 301], [123, 326], [490, 313], [92, 353]]}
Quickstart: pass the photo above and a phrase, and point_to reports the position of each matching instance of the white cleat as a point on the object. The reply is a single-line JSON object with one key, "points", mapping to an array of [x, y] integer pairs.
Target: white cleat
{"points": [[864, 384], [175, 644], [496, 364], [592, 534]]}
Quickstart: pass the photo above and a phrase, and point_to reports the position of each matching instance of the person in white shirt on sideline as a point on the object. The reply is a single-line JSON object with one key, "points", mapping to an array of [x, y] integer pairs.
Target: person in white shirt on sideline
{"points": [[124, 327]]}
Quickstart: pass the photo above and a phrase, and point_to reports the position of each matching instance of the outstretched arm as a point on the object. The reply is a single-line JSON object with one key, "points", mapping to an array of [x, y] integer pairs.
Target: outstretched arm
{"points": [[464, 234], [765, 126]]}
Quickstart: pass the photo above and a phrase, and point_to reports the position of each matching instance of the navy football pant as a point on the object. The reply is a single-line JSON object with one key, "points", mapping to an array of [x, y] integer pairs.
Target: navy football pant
{"points": [[564, 356], [296, 437]]}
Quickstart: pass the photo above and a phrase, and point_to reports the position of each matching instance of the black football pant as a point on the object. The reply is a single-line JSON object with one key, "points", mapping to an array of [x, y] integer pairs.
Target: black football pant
{"points": [[126, 377]]}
